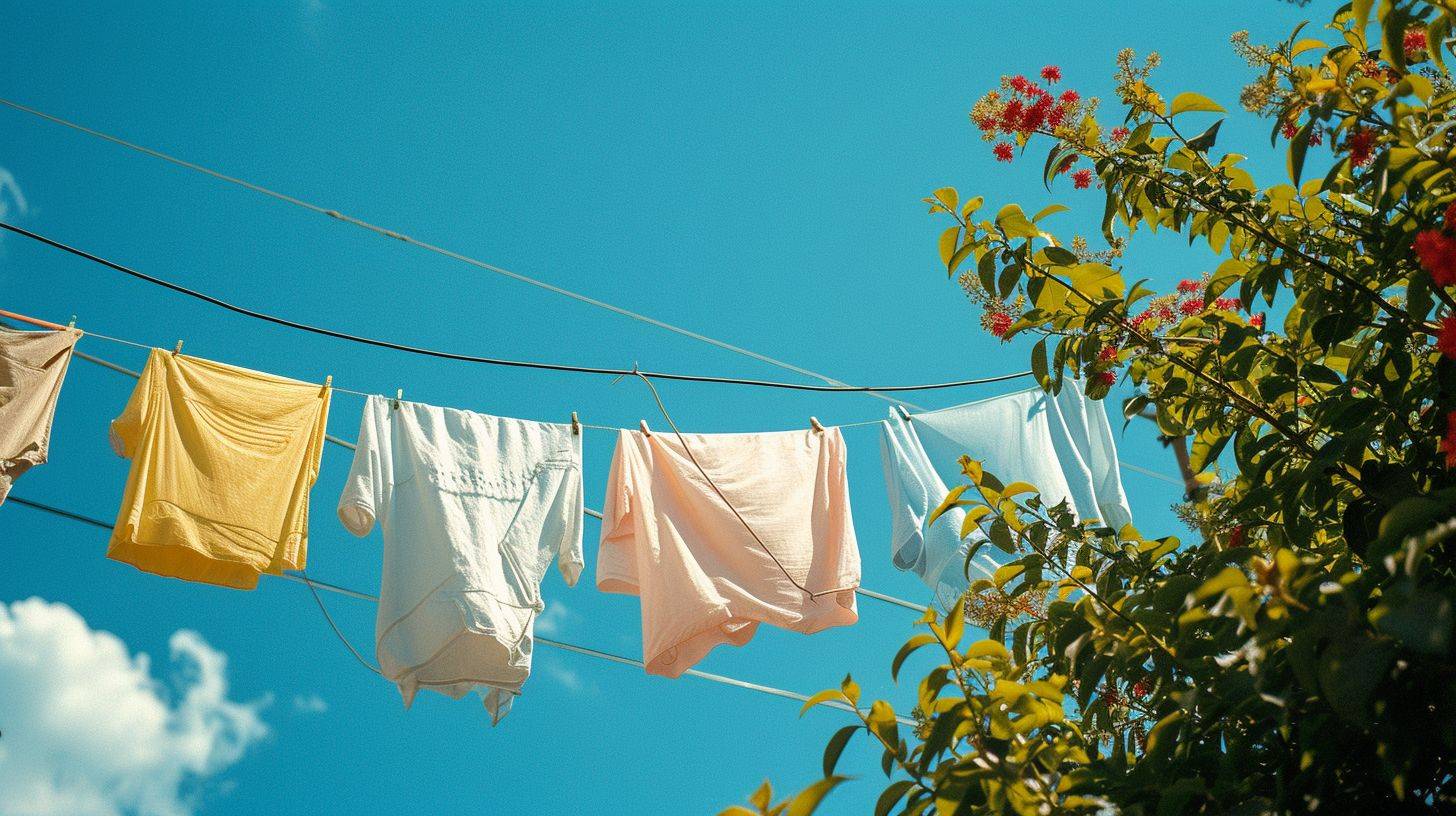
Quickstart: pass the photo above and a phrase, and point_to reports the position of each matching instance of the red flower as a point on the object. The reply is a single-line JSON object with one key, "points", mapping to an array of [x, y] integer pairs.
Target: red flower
{"points": [[1069, 97], [1067, 164], [1120, 134], [1188, 286], [1022, 85], [1137, 322], [1450, 217], [1316, 138], [1056, 116], [1257, 321], [1288, 129], [1446, 340], [1142, 688], [1236, 536], [1004, 152], [1415, 43], [1107, 354], [1227, 304], [1053, 74], [1360, 144], [1448, 445], [998, 324], [1191, 306], [1437, 255], [1107, 378], [1082, 179]]}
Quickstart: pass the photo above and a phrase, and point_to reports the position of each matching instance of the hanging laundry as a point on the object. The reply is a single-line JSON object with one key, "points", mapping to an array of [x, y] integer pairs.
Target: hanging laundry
{"points": [[222, 462], [1062, 444], [703, 577], [473, 508], [32, 367]]}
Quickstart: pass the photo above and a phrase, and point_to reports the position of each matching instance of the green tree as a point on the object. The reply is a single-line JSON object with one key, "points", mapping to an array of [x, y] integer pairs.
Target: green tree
{"points": [[1298, 657]]}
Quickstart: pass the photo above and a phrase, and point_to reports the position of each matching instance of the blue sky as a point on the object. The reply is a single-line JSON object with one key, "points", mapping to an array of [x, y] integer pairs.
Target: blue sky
{"points": [[753, 173]]}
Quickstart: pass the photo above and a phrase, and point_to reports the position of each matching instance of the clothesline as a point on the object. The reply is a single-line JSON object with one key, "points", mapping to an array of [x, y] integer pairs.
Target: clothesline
{"points": [[343, 443], [399, 236], [557, 644], [473, 358]]}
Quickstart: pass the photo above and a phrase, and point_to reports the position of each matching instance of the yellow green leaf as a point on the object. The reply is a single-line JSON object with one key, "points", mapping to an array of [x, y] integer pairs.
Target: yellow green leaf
{"points": [[1189, 101]]}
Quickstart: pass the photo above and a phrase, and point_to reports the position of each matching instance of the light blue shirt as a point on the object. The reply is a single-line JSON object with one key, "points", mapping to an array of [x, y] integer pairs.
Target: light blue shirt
{"points": [[1062, 444]]}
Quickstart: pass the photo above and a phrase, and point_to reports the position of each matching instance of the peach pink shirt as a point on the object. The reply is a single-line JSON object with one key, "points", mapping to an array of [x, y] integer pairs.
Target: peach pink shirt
{"points": [[704, 580]]}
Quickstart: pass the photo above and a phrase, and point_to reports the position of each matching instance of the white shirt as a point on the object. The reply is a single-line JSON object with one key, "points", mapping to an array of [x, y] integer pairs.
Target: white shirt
{"points": [[473, 509]]}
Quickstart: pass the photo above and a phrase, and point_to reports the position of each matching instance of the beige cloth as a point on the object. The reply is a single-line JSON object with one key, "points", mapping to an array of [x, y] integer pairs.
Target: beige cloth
{"points": [[703, 578], [32, 367]]}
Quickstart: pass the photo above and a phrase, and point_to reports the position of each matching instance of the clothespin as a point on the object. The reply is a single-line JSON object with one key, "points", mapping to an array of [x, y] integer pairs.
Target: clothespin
{"points": [[904, 414], [72, 324], [645, 430], [178, 350], [575, 425], [398, 395], [328, 382], [814, 424]]}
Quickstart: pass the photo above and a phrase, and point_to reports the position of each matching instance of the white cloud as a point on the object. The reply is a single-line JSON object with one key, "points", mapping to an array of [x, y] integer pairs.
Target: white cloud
{"points": [[85, 729], [551, 621], [309, 704], [12, 200], [568, 678]]}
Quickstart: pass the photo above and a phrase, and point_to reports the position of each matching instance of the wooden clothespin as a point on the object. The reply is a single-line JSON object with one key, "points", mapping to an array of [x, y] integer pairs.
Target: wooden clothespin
{"points": [[72, 324], [645, 430], [904, 414], [814, 424], [398, 395], [575, 425], [178, 350], [328, 382]]}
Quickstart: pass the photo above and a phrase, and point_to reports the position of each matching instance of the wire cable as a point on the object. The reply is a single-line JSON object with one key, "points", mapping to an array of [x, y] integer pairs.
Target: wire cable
{"points": [[315, 585], [398, 236], [472, 358]]}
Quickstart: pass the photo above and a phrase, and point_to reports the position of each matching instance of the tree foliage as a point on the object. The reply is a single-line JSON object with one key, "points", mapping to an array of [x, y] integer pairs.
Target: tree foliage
{"points": [[1299, 655]]}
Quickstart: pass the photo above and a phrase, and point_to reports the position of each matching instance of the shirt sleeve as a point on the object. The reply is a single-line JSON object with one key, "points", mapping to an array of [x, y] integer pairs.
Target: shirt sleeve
{"points": [[908, 499], [370, 474], [616, 556], [570, 558], [126, 429]]}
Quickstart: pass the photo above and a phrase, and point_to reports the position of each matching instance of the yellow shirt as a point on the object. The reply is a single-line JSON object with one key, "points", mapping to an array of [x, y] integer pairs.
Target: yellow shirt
{"points": [[222, 462]]}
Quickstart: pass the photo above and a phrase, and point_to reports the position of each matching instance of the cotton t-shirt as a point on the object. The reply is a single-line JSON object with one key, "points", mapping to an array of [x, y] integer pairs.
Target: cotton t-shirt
{"points": [[32, 367], [703, 577], [222, 459], [1060, 443], [473, 508]]}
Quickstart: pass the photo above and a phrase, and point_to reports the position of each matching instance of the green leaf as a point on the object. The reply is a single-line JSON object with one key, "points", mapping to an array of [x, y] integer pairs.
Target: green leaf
{"points": [[851, 691], [1060, 256], [1013, 222], [1049, 210], [1189, 101], [739, 810], [762, 797], [948, 197], [952, 499], [1297, 148], [881, 720], [836, 747], [891, 796], [1096, 280], [809, 798], [909, 648], [823, 697]]}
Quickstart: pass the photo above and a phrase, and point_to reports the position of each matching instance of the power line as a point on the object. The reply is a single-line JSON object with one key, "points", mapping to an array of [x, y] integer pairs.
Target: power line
{"points": [[471, 358], [398, 236], [315, 585]]}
